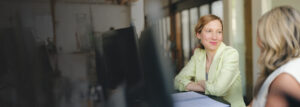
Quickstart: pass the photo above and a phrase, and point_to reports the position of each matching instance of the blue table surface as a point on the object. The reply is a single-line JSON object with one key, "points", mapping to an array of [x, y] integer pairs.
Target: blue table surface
{"points": [[194, 99]]}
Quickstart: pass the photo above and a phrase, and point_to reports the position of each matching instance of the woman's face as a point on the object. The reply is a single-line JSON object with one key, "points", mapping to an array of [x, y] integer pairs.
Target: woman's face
{"points": [[211, 35]]}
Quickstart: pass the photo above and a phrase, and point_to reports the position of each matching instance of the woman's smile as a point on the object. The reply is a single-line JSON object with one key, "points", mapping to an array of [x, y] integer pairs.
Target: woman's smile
{"points": [[213, 43]]}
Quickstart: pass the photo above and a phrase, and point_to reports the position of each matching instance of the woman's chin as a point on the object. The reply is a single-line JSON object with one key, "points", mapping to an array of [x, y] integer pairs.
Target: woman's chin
{"points": [[212, 49]]}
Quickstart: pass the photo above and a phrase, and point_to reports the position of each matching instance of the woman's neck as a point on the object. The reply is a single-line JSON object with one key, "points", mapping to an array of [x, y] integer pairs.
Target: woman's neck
{"points": [[210, 56]]}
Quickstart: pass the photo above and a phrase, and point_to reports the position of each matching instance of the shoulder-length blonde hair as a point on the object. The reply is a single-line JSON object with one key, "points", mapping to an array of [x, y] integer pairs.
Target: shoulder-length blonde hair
{"points": [[203, 21], [279, 35]]}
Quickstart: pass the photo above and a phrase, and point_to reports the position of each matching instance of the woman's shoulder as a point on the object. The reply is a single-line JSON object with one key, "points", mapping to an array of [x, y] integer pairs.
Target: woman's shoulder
{"points": [[199, 51], [283, 86], [284, 80], [287, 73], [281, 77], [287, 84], [228, 50]]}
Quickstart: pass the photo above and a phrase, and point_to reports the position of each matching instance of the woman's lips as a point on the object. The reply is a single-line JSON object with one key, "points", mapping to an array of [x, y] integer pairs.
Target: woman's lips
{"points": [[213, 43]]}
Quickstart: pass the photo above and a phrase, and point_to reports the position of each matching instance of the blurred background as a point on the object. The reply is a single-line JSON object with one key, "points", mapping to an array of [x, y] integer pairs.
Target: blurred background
{"points": [[113, 53]]}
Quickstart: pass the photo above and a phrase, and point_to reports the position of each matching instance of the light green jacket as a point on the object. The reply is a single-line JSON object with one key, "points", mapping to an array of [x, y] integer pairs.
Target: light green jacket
{"points": [[224, 78]]}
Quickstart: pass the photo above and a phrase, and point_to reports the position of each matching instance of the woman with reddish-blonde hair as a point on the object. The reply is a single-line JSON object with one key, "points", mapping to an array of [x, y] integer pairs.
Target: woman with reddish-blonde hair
{"points": [[214, 67]]}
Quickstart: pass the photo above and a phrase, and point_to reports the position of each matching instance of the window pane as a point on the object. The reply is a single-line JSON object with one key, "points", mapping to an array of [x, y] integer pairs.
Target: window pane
{"points": [[165, 35], [204, 10], [168, 26], [185, 34], [193, 22], [217, 9], [168, 41], [161, 31]]}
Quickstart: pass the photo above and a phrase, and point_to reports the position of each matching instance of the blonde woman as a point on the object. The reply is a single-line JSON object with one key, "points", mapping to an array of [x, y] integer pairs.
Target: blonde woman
{"points": [[214, 67], [279, 40]]}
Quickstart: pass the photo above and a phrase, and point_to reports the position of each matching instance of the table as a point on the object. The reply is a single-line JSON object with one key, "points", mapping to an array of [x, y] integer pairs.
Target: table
{"points": [[194, 99]]}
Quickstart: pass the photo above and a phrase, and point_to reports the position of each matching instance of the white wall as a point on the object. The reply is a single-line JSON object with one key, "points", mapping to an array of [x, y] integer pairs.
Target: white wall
{"points": [[137, 15], [75, 23], [72, 23], [108, 15], [293, 3], [227, 21], [233, 22], [234, 32], [258, 8], [256, 13]]}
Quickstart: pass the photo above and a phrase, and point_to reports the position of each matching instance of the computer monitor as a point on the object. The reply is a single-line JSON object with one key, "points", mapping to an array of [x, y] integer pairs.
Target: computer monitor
{"points": [[118, 64], [139, 65], [157, 69]]}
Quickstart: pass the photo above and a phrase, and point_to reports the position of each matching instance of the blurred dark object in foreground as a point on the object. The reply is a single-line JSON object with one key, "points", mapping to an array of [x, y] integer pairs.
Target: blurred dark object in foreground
{"points": [[157, 69], [137, 68], [293, 102], [25, 72], [118, 63]]}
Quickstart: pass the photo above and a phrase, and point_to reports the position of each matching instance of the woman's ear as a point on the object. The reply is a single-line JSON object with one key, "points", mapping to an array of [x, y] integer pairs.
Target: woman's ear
{"points": [[198, 35]]}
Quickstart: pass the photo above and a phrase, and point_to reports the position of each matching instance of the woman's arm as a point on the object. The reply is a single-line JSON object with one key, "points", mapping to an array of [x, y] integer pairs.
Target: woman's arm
{"points": [[185, 75], [228, 74], [284, 85], [194, 86]]}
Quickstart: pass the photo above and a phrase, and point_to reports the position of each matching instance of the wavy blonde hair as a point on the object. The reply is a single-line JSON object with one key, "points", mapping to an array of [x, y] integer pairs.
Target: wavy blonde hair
{"points": [[279, 35]]}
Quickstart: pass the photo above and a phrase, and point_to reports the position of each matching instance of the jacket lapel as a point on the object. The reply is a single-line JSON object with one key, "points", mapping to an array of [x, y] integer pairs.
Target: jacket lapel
{"points": [[213, 67], [201, 61]]}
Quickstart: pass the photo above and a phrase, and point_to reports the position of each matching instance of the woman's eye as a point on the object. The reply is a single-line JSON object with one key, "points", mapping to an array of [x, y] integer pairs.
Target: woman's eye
{"points": [[208, 30], [220, 32]]}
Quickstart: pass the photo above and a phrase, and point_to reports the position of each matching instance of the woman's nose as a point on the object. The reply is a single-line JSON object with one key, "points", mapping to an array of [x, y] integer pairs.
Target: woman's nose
{"points": [[215, 35]]}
